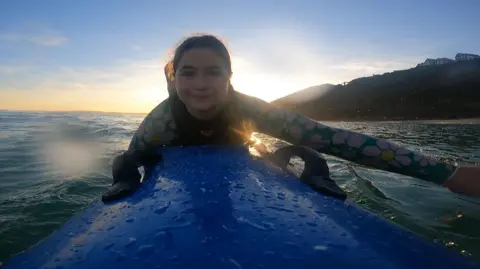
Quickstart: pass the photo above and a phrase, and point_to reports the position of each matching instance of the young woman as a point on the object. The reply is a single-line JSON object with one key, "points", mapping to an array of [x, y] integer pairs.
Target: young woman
{"points": [[203, 108]]}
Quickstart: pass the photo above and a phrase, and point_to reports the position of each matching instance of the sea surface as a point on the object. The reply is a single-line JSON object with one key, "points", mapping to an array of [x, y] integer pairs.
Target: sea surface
{"points": [[53, 164]]}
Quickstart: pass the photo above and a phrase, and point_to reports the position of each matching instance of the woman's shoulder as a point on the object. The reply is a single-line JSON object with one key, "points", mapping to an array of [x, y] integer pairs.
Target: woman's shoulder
{"points": [[157, 128], [160, 119], [251, 105], [162, 110]]}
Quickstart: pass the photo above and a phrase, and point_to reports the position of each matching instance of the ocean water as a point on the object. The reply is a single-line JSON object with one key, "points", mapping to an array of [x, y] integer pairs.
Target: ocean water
{"points": [[53, 164]]}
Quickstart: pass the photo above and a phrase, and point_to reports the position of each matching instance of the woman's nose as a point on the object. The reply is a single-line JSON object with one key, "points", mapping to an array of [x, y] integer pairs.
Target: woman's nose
{"points": [[200, 81]]}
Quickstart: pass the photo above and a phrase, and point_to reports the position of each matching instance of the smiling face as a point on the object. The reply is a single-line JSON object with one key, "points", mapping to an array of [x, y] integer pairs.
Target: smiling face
{"points": [[202, 81]]}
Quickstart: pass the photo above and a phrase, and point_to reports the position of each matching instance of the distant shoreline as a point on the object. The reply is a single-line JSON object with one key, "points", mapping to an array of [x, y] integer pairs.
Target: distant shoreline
{"points": [[72, 111], [475, 120], [459, 121], [436, 121]]}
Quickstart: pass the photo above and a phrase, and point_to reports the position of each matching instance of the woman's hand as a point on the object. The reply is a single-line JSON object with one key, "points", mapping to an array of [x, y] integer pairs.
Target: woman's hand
{"points": [[466, 180], [262, 149]]}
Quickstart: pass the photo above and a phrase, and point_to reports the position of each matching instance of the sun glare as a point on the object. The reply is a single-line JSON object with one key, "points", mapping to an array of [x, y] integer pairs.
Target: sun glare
{"points": [[258, 147], [151, 97], [265, 84], [133, 90]]}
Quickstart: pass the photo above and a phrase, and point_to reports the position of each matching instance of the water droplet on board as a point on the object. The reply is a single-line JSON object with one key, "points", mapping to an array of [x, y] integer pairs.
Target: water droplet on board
{"points": [[145, 250], [161, 210], [109, 246], [320, 248]]}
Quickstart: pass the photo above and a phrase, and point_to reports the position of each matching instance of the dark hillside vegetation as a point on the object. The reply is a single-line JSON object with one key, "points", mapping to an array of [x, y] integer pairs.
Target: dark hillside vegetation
{"points": [[448, 91]]}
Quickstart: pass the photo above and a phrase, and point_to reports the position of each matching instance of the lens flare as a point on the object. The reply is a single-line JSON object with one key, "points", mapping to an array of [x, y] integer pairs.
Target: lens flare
{"points": [[258, 146]]}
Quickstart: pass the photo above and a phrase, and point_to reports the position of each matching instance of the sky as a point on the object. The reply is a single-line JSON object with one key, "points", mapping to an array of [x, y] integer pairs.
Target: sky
{"points": [[109, 55]]}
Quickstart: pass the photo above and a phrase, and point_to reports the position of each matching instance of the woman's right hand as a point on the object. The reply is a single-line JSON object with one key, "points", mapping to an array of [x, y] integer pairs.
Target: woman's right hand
{"points": [[126, 177]]}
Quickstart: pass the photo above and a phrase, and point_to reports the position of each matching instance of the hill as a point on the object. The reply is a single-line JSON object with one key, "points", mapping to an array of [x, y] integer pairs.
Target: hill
{"points": [[447, 91], [305, 95]]}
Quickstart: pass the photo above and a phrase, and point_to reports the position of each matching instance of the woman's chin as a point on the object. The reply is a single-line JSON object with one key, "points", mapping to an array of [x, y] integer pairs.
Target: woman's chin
{"points": [[203, 107], [199, 108]]}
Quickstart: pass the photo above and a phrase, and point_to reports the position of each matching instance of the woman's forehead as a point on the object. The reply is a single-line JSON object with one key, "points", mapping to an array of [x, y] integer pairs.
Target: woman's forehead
{"points": [[201, 58]]}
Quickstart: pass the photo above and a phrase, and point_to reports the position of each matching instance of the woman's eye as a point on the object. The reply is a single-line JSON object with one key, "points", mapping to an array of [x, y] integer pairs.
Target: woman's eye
{"points": [[187, 73], [216, 72]]}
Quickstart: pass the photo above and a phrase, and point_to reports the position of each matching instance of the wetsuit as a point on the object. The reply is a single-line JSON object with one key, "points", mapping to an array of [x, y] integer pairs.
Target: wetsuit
{"points": [[169, 124]]}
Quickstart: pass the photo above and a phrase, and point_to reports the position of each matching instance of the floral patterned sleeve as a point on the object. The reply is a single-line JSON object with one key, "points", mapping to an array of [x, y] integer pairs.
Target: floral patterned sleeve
{"points": [[157, 129], [348, 145]]}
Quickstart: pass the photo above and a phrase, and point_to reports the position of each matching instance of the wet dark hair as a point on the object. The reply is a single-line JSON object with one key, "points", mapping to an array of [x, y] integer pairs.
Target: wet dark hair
{"points": [[198, 42]]}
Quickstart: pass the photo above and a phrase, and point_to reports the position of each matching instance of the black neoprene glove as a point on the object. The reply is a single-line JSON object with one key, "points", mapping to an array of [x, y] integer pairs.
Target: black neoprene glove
{"points": [[126, 177]]}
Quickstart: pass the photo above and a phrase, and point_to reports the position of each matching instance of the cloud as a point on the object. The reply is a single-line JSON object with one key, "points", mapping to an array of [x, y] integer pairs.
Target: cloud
{"points": [[268, 63], [271, 63], [13, 69], [128, 86], [42, 40], [37, 34], [376, 66]]}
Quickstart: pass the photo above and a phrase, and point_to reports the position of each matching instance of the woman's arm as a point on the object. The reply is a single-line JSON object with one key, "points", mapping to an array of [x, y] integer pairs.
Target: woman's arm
{"points": [[348, 145], [157, 129]]}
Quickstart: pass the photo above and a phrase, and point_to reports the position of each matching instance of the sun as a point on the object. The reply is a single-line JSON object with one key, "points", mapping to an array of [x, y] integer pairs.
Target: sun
{"points": [[264, 86], [268, 86]]}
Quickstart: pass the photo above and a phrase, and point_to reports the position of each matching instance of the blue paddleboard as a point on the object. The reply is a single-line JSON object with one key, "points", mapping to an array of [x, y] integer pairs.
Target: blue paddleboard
{"points": [[219, 207]]}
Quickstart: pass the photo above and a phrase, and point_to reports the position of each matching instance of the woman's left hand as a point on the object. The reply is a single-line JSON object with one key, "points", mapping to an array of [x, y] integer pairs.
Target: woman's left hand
{"points": [[262, 149], [466, 180]]}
